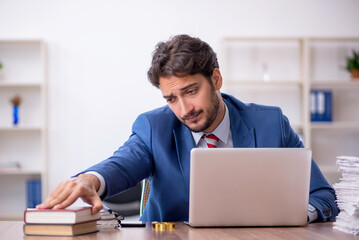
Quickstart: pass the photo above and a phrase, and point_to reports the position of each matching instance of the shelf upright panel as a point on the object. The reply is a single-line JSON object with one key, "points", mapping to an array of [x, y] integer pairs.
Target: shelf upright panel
{"points": [[44, 133], [306, 91], [24, 73]]}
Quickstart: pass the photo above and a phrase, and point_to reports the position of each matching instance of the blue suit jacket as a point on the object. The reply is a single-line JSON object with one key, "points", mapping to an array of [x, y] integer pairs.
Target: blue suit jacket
{"points": [[159, 149]]}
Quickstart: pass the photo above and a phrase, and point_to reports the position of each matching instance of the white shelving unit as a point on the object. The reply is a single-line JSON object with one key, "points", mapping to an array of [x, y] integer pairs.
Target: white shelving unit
{"points": [[327, 58], [283, 71], [24, 74]]}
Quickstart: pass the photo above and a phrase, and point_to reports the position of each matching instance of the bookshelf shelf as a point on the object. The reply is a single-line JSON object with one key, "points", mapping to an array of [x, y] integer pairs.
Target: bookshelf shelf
{"points": [[23, 148], [335, 125], [20, 128], [295, 67], [336, 84], [19, 84], [297, 127], [20, 172], [262, 83]]}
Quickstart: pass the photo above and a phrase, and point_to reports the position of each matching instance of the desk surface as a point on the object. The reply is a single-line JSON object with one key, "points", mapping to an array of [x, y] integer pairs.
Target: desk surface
{"points": [[323, 231]]}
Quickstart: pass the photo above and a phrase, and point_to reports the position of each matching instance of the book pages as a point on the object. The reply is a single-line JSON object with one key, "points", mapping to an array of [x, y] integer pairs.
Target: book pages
{"points": [[109, 219], [347, 191]]}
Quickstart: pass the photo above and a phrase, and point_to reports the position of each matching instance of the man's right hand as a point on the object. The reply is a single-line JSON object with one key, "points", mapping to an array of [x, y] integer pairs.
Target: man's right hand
{"points": [[84, 186]]}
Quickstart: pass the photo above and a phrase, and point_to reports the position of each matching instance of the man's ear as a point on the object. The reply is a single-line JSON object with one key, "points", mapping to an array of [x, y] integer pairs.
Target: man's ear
{"points": [[216, 79]]}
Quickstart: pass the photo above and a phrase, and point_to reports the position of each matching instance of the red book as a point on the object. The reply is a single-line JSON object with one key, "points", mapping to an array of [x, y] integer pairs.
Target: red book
{"points": [[59, 216]]}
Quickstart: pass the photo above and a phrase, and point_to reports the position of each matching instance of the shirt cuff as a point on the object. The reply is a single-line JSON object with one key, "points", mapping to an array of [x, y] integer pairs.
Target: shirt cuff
{"points": [[312, 214], [101, 190]]}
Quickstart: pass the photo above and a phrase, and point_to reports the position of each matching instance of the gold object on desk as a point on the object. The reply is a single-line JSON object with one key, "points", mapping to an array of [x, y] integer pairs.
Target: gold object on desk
{"points": [[160, 226], [170, 225]]}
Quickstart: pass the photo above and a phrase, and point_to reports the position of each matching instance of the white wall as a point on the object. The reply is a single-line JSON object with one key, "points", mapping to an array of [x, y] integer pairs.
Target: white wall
{"points": [[99, 53]]}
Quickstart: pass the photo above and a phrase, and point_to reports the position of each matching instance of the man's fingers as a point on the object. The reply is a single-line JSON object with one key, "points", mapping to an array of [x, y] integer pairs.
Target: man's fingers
{"points": [[71, 192], [97, 205], [70, 199], [67, 192], [53, 198], [61, 193], [93, 199]]}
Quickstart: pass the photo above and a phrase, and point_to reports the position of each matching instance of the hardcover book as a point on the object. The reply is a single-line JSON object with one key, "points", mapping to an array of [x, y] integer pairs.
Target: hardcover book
{"points": [[60, 229], [59, 216]]}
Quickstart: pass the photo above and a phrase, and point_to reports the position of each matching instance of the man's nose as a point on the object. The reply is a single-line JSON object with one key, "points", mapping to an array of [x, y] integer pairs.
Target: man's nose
{"points": [[186, 107]]}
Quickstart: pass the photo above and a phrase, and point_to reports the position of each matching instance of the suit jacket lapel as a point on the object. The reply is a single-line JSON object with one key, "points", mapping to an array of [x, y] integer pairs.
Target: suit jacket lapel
{"points": [[242, 136], [184, 144]]}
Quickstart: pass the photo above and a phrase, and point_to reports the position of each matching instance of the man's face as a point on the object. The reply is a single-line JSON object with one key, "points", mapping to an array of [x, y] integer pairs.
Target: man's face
{"points": [[194, 101]]}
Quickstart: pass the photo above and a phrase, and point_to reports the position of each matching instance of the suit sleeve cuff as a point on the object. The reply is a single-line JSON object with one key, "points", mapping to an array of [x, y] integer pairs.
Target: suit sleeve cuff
{"points": [[101, 190], [312, 214]]}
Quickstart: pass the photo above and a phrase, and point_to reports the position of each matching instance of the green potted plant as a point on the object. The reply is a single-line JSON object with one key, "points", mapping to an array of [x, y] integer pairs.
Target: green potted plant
{"points": [[353, 64]]}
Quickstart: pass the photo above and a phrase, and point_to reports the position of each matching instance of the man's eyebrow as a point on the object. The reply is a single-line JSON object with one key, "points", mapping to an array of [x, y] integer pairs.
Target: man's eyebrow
{"points": [[183, 88], [188, 86], [168, 96]]}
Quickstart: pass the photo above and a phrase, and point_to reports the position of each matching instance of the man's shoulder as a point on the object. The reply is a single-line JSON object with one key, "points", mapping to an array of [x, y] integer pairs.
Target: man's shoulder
{"points": [[159, 112], [160, 115], [157, 120]]}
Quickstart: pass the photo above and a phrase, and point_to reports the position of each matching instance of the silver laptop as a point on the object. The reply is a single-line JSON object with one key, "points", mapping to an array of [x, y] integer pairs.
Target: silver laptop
{"points": [[249, 187]]}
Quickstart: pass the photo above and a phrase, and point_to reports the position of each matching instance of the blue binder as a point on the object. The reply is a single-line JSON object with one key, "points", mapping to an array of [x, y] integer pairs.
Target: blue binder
{"points": [[321, 106], [33, 192]]}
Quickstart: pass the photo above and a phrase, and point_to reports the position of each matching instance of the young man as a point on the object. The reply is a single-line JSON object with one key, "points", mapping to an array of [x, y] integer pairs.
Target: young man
{"points": [[186, 71]]}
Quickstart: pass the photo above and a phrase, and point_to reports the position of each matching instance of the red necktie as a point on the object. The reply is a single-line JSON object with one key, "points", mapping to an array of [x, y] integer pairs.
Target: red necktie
{"points": [[211, 140]]}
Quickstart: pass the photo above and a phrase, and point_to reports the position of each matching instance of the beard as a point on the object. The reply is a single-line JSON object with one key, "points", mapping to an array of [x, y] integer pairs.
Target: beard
{"points": [[212, 112]]}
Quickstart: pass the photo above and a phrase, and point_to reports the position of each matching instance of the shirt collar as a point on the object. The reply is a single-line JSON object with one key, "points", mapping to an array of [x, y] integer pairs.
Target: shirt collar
{"points": [[222, 130]]}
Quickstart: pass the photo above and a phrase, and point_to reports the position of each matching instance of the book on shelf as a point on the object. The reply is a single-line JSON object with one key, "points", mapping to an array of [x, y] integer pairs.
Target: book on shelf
{"points": [[60, 229], [321, 105], [70, 215], [33, 192]]}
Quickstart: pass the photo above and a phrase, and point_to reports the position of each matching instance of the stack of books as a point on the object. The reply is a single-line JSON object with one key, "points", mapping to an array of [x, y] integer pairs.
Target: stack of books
{"points": [[347, 191], [60, 222], [109, 219]]}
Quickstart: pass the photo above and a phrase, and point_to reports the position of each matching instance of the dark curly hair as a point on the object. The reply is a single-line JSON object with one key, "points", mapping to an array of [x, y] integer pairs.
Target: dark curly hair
{"points": [[180, 56]]}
